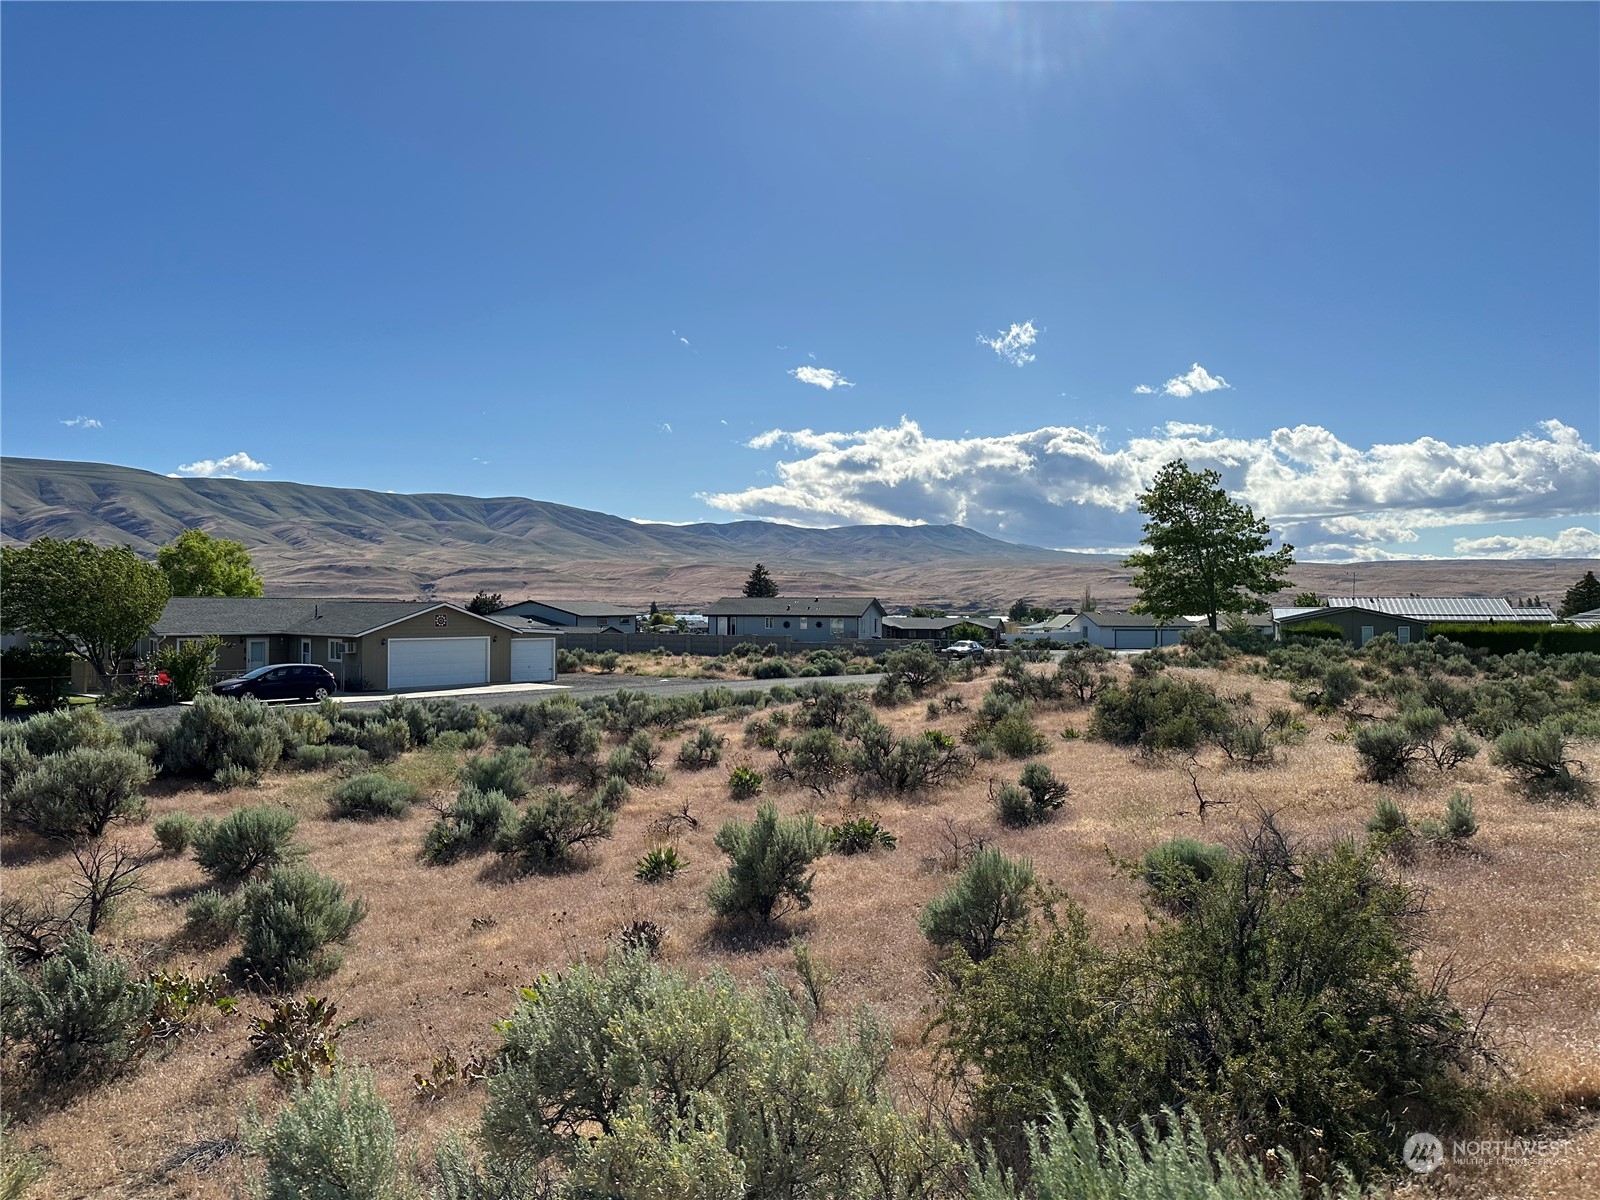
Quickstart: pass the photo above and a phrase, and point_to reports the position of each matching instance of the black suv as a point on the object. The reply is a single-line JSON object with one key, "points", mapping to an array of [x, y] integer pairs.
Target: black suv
{"points": [[292, 681]]}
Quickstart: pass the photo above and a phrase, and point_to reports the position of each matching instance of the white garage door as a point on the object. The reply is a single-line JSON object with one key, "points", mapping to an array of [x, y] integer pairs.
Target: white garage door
{"points": [[533, 659], [438, 662]]}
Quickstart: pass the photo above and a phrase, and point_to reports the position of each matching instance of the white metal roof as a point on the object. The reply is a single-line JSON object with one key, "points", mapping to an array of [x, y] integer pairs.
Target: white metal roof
{"points": [[1278, 614], [1441, 608]]}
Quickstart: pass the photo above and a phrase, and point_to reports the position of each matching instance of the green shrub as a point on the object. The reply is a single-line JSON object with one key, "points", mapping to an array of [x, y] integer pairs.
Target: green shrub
{"points": [[1389, 820], [510, 772], [612, 793], [1041, 784], [1169, 1158], [212, 918], [1160, 713], [218, 732], [1460, 822], [78, 793], [917, 668], [905, 765], [79, 1015], [334, 1140], [174, 832], [370, 796], [634, 1081], [38, 675], [473, 824], [1177, 867], [1505, 639], [1538, 758], [1016, 736], [247, 840], [290, 922], [567, 662], [188, 665], [57, 732], [744, 783], [702, 750], [861, 835], [317, 757], [234, 776], [990, 897], [768, 874], [385, 741], [815, 759], [553, 828], [298, 1036], [772, 668], [659, 864]]}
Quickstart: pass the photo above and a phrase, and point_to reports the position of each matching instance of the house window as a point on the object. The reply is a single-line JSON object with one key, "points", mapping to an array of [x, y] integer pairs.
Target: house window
{"points": [[769, 622], [1404, 635], [335, 650], [1366, 634], [838, 626]]}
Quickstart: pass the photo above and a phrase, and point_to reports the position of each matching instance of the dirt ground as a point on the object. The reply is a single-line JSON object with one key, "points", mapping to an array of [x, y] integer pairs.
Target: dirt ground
{"points": [[439, 957]]}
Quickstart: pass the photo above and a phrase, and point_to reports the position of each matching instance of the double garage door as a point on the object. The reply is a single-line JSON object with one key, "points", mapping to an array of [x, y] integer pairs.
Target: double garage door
{"points": [[438, 662]]}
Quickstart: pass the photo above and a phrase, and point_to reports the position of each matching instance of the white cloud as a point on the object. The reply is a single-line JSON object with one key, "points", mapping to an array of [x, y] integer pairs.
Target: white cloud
{"points": [[1576, 542], [821, 377], [1069, 488], [1195, 379], [222, 468], [82, 423], [664, 427], [1144, 389], [680, 337], [1015, 345]]}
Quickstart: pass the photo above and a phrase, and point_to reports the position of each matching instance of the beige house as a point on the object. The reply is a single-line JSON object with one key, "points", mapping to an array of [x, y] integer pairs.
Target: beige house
{"points": [[369, 645]]}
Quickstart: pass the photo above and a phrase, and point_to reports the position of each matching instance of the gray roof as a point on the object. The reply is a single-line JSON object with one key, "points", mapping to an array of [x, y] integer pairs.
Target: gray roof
{"points": [[200, 616], [802, 606], [582, 608], [1592, 617], [1443, 608], [1122, 620], [938, 622]]}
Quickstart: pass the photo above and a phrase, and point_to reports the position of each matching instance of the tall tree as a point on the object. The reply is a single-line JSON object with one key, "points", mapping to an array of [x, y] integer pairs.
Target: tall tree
{"points": [[1581, 596], [485, 603], [760, 583], [197, 564], [99, 600], [1308, 600], [1205, 553]]}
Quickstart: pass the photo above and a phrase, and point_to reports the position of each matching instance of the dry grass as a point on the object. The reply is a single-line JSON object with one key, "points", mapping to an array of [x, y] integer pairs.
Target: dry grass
{"points": [[439, 957]]}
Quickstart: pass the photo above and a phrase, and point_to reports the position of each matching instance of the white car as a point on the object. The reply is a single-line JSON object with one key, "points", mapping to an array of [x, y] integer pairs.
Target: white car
{"points": [[964, 649]]}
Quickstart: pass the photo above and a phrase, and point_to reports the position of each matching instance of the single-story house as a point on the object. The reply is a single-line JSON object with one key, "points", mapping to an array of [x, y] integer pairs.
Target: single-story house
{"points": [[374, 645], [1123, 631], [814, 619], [1362, 618], [1054, 629], [576, 614], [935, 629]]}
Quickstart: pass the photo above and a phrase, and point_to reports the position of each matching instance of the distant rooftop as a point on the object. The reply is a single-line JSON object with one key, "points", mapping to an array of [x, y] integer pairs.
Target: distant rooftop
{"points": [[1443, 608], [582, 608], [803, 606]]}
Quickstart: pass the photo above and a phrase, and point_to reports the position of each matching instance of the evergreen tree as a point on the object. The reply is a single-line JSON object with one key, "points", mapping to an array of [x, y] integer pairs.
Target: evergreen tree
{"points": [[760, 584], [1581, 596]]}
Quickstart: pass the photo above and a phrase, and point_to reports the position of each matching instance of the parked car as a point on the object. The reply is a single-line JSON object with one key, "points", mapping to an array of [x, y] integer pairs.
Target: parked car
{"points": [[964, 649], [288, 681]]}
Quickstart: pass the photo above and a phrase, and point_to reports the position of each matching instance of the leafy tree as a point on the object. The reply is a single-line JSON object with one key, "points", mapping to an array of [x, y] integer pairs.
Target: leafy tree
{"points": [[1024, 613], [1308, 600], [968, 632], [1581, 596], [197, 564], [485, 603], [921, 611], [99, 600], [760, 583], [1206, 553]]}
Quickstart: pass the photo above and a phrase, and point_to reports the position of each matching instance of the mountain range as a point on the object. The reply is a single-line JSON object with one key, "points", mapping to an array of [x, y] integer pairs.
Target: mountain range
{"points": [[308, 540]]}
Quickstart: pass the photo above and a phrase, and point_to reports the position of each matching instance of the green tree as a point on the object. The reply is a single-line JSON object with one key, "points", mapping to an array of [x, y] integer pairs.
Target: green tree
{"points": [[197, 564], [1024, 613], [760, 583], [922, 611], [1308, 600], [99, 600], [485, 603], [1206, 553], [1581, 596]]}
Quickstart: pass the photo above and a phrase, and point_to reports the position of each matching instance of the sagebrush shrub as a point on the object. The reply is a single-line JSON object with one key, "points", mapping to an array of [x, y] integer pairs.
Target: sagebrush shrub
{"points": [[78, 793], [1016, 736], [1538, 757], [612, 793], [767, 875], [218, 732], [334, 1140], [472, 825], [1159, 713], [247, 840], [290, 922], [57, 732], [79, 1013], [1176, 867], [1460, 821], [991, 896], [211, 918], [370, 796], [553, 828], [385, 741], [174, 832], [1386, 751], [702, 750], [316, 758], [510, 772]]}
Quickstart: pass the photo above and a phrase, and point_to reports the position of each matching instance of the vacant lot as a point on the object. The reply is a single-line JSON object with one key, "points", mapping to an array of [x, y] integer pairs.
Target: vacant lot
{"points": [[438, 959]]}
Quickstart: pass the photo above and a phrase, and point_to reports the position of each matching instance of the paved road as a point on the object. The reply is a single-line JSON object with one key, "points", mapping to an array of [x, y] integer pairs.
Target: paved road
{"points": [[580, 686]]}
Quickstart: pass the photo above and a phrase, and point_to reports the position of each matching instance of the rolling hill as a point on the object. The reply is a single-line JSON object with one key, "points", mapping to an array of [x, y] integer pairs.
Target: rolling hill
{"points": [[353, 542]]}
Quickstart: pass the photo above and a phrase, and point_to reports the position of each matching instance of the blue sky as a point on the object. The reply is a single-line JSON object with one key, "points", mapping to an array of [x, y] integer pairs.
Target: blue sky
{"points": [[610, 255]]}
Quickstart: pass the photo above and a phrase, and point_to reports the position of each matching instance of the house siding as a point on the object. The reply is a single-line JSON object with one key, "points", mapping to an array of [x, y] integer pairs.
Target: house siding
{"points": [[819, 630], [1350, 621]]}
